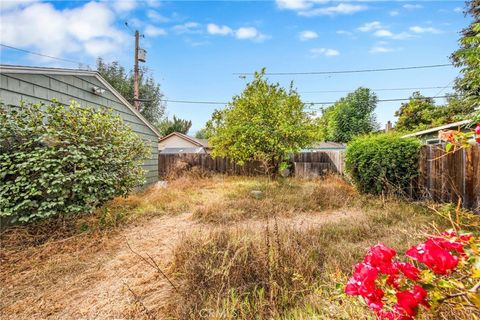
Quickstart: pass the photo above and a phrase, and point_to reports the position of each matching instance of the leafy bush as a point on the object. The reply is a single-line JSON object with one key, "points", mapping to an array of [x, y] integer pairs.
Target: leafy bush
{"points": [[59, 159], [382, 163]]}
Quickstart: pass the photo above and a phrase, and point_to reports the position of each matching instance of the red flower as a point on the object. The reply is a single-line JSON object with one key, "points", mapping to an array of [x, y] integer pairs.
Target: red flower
{"points": [[408, 270], [380, 256], [409, 300], [363, 280], [477, 132], [440, 260]]}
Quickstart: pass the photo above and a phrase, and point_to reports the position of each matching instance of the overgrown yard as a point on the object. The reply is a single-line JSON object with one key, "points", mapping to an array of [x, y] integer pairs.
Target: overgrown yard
{"points": [[210, 248]]}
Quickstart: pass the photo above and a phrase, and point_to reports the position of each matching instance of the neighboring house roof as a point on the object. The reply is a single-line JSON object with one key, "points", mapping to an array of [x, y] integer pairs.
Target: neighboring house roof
{"points": [[431, 130], [182, 150], [198, 142], [327, 145], [78, 72]]}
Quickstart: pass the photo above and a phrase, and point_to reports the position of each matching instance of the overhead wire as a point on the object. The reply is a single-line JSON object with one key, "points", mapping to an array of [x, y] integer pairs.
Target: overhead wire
{"points": [[44, 55], [348, 71]]}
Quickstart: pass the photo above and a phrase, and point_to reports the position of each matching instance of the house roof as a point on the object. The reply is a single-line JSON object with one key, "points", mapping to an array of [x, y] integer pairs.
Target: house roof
{"points": [[78, 72], [328, 145], [445, 126], [198, 142], [182, 150]]}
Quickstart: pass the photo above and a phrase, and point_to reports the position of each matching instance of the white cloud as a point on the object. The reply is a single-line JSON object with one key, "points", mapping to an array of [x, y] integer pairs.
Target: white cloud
{"points": [[307, 35], [369, 26], [418, 29], [212, 28], [14, 4], [246, 33], [344, 32], [41, 27], [380, 49], [157, 17], [316, 52], [394, 13], [384, 33], [153, 31], [187, 27], [293, 4], [123, 5], [341, 8], [458, 9], [249, 33], [409, 6]]}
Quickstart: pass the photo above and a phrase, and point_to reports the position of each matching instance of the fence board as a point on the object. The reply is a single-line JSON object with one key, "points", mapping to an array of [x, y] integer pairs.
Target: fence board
{"points": [[448, 177]]}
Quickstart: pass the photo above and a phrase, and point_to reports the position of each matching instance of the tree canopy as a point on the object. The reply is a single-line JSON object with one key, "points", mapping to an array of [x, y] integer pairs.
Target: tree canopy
{"points": [[266, 122], [417, 113], [421, 112], [151, 106], [168, 126], [201, 134], [350, 116], [467, 57]]}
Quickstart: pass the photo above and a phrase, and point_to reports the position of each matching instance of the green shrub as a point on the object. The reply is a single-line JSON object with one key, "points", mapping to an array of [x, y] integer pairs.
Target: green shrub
{"points": [[382, 163], [57, 159]]}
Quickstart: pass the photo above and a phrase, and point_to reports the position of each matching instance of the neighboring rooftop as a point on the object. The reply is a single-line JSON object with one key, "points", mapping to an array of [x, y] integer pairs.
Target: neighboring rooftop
{"points": [[182, 150], [443, 127], [199, 142], [327, 145]]}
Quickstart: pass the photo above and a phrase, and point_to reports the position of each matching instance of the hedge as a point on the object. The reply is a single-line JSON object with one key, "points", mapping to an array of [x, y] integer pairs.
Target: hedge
{"points": [[382, 163], [57, 159]]}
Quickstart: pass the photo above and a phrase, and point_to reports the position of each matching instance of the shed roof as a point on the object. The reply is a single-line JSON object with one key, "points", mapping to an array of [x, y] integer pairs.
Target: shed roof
{"points": [[77, 72], [182, 150], [445, 126], [198, 142], [328, 145]]}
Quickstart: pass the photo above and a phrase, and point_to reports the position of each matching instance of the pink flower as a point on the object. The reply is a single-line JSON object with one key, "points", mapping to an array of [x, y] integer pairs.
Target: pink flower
{"points": [[430, 253]]}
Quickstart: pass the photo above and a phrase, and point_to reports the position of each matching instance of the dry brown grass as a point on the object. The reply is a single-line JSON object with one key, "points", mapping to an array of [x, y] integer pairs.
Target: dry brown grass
{"points": [[285, 197], [292, 272], [210, 235]]}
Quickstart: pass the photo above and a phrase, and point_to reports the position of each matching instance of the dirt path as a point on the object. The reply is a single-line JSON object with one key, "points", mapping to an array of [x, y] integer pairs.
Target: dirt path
{"points": [[116, 283]]}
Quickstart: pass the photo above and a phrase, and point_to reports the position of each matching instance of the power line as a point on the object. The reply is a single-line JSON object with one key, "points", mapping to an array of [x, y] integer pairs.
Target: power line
{"points": [[347, 71], [314, 103], [381, 89], [43, 55]]}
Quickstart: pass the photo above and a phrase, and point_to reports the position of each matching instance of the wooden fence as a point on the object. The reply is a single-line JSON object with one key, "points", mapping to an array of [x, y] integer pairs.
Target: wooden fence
{"points": [[446, 178], [311, 164], [308, 164]]}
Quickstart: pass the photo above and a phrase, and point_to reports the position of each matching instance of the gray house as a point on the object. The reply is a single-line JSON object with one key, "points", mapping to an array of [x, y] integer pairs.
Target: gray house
{"points": [[32, 84]]}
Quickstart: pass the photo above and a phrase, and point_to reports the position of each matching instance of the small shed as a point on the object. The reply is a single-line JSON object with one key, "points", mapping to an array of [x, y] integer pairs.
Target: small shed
{"points": [[177, 142], [38, 84]]}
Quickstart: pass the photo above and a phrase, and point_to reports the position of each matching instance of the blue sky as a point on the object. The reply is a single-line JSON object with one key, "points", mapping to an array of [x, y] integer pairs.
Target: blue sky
{"points": [[194, 47]]}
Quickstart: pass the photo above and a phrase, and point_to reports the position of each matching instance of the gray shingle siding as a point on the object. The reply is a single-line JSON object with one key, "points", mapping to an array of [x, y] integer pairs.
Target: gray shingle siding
{"points": [[16, 87]]}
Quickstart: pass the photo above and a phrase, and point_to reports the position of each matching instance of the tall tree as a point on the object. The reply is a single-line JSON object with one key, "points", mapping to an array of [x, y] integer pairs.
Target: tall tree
{"points": [[168, 126], [201, 134], [266, 122], [416, 114], [467, 57], [350, 116], [151, 106]]}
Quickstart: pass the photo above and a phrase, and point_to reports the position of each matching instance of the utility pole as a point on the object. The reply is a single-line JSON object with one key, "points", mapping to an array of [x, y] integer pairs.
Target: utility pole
{"points": [[136, 101]]}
